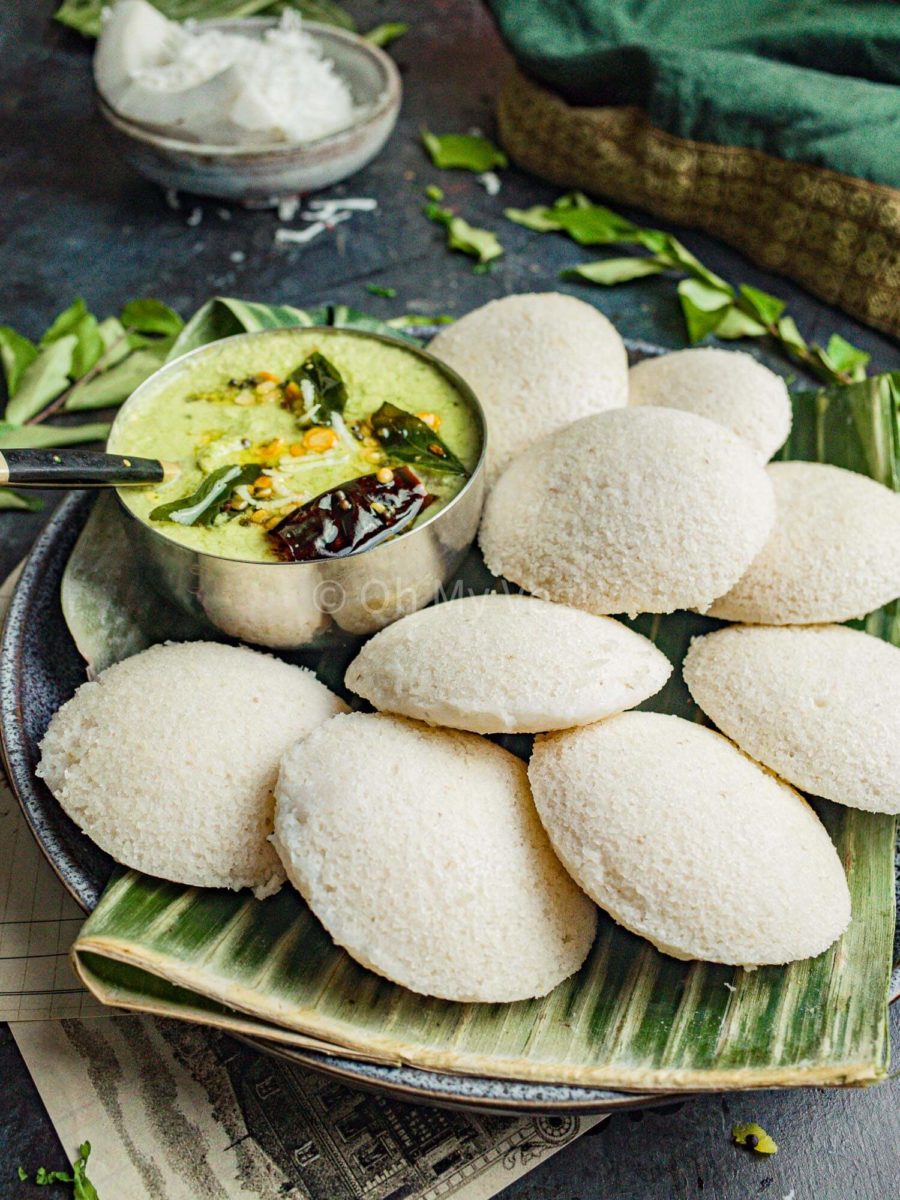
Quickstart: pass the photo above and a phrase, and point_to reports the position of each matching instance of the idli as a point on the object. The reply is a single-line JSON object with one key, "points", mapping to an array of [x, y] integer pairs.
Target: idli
{"points": [[726, 386], [421, 853], [168, 760], [687, 842], [536, 362], [819, 705], [834, 553], [507, 664], [633, 510]]}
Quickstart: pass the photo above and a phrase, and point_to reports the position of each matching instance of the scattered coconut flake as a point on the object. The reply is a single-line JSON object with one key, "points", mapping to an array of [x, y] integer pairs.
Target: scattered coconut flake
{"points": [[237, 256], [299, 236], [224, 214], [172, 199], [344, 204], [287, 207], [731, 987], [490, 181], [195, 216]]}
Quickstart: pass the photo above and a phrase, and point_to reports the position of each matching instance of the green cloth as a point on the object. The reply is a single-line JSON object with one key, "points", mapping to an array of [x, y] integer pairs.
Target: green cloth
{"points": [[815, 81]]}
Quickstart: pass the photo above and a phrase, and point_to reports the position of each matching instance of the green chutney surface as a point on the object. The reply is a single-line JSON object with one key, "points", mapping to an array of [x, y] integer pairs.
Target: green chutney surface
{"points": [[201, 417]]}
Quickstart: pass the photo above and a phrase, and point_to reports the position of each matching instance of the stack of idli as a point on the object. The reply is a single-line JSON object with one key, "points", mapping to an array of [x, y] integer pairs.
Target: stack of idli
{"points": [[431, 854], [536, 362]]}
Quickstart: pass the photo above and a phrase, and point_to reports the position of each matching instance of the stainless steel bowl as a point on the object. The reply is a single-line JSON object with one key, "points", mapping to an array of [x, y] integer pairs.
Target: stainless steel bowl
{"points": [[259, 177], [303, 605]]}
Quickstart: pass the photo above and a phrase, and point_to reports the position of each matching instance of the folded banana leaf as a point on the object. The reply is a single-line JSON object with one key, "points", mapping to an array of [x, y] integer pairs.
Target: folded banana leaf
{"points": [[632, 1018]]}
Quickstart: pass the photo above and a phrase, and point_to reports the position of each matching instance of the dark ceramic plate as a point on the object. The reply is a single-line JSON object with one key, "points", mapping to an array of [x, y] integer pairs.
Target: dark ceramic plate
{"points": [[40, 668]]}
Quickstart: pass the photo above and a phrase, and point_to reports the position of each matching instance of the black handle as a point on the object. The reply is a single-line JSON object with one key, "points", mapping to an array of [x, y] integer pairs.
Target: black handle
{"points": [[80, 469]]}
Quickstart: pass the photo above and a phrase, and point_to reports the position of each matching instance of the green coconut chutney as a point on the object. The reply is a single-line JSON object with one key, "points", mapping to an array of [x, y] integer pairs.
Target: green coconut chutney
{"points": [[234, 405]]}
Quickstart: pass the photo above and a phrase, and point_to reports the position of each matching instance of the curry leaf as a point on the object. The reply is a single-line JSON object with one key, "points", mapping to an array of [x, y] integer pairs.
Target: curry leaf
{"points": [[204, 505], [790, 335], [43, 380], [88, 345], [703, 306], [615, 270], [709, 302], [19, 502], [406, 438], [376, 289], [479, 243], [539, 217], [151, 316], [738, 324], [843, 356], [17, 354], [594, 225], [767, 308], [36, 437], [384, 34], [115, 384], [418, 321], [65, 322], [321, 389], [116, 345], [466, 150], [85, 16], [84, 1189]]}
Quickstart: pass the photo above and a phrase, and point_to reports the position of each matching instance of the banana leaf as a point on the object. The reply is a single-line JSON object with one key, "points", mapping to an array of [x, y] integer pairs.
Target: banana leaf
{"points": [[632, 1018], [224, 316]]}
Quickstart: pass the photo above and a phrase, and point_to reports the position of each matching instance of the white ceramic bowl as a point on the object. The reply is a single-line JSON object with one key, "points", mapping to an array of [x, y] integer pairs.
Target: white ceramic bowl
{"points": [[261, 177]]}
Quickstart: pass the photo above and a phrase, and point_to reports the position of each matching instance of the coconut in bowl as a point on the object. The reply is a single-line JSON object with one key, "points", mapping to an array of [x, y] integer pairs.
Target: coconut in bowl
{"points": [[248, 110]]}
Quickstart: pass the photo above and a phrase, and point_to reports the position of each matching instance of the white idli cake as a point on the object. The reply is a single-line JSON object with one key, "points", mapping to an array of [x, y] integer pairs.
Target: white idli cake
{"points": [[421, 853], [727, 386], [507, 664], [820, 705], [834, 553], [536, 362], [629, 511], [684, 840], [169, 759]]}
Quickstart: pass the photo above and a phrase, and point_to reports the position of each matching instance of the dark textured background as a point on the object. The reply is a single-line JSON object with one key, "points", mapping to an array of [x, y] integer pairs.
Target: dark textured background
{"points": [[75, 221]]}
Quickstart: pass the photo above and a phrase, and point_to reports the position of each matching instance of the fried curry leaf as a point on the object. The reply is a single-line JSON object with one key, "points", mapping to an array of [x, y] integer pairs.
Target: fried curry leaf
{"points": [[357, 514], [204, 505], [322, 390], [408, 439]]}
